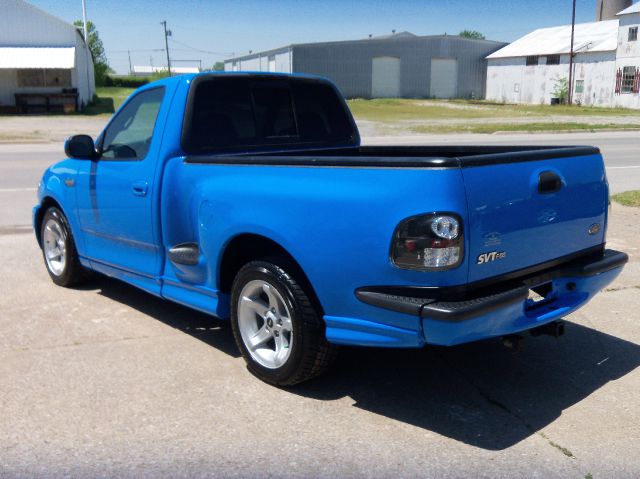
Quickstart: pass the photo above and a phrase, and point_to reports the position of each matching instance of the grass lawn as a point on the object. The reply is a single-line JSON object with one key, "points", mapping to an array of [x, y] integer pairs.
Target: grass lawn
{"points": [[403, 109], [532, 127], [628, 198], [108, 100]]}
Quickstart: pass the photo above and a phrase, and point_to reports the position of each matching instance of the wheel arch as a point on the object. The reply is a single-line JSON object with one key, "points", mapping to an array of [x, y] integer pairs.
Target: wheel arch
{"points": [[46, 203], [248, 247]]}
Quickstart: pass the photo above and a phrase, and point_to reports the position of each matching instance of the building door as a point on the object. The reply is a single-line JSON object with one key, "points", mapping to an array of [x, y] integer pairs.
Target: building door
{"points": [[385, 77], [444, 78]]}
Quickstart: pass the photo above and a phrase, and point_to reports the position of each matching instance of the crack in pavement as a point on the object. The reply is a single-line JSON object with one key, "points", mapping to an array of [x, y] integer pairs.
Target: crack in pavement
{"points": [[502, 406], [80, 343], [621, 288]]}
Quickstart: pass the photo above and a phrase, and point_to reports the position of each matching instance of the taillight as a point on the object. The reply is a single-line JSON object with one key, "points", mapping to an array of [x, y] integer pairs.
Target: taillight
{"points": [[428, 242]]}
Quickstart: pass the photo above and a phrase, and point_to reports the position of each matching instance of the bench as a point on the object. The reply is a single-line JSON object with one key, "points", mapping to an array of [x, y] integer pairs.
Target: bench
{"points": [[47, 102]]}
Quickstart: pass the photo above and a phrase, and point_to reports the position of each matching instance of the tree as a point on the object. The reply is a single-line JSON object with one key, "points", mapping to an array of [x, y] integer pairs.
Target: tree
{"points": [[561, 89], [218, 66], [100, 63], [472, 34]]}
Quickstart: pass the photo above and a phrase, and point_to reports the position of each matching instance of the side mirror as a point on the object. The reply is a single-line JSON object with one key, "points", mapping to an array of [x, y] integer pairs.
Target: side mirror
{"points": [[80, 147]]}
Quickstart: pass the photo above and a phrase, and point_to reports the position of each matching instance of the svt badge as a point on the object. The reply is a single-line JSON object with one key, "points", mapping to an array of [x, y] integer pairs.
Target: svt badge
{"points": [[492, 256]]}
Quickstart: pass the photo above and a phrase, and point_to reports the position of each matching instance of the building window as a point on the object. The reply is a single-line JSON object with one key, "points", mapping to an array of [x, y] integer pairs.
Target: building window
{"points": [[37, 78], [628, 79], [633, 34], [532, 60], [579, 86], [553, 60]]}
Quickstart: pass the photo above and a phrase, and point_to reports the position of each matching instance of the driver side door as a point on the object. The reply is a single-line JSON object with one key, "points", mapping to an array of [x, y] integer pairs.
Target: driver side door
{"points": [[115, 193]]}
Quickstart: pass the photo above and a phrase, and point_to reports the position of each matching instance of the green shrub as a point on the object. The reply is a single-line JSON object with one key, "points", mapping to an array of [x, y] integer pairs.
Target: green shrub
{"points": [[125, 82]]}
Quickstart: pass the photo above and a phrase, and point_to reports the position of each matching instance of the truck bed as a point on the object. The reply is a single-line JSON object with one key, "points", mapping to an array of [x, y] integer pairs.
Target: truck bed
{"points": [[399, 156]]}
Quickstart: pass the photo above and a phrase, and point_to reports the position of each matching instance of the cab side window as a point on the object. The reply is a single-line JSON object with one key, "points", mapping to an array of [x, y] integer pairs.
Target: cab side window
{"points": [[128, 137]]}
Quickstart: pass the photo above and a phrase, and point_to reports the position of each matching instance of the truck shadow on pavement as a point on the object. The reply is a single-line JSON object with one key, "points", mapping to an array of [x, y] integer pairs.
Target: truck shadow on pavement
{"points": [[481, 394], [208, 329]]}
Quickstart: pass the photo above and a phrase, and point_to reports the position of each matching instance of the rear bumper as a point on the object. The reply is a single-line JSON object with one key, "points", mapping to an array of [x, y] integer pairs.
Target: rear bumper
{"points": [[453, 316], [436, 303]]}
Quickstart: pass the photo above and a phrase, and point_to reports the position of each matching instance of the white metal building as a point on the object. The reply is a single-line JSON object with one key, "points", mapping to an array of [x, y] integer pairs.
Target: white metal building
{"points": [[606, 68], [627, 92], [148, 70], [41, 55]]}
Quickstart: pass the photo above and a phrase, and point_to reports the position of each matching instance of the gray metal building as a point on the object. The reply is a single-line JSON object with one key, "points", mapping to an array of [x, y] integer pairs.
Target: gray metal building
{"points": [[402, 65]]}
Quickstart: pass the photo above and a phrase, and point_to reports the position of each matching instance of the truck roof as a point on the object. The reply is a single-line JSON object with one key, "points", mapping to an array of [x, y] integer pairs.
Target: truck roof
{"points": [[190, 76]]}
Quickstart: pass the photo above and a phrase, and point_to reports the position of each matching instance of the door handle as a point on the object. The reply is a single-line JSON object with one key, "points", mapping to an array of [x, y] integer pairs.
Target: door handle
{"points": [[139, 188], [549, 182]]}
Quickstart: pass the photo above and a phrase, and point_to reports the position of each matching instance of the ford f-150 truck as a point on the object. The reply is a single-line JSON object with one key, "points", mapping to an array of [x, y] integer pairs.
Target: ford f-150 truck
{"points": [[249, 197]]}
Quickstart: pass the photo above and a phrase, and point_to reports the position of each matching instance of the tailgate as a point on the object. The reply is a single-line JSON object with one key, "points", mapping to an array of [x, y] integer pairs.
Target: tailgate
{"points": [[523, 213]]}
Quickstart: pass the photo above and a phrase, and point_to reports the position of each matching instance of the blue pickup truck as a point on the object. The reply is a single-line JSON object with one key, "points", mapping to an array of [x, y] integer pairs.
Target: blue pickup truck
{"points": [[249, 197]]}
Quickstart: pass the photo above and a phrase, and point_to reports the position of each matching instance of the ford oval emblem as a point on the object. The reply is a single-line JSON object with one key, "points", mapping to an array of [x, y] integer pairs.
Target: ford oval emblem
{"points": [[594, 229]]}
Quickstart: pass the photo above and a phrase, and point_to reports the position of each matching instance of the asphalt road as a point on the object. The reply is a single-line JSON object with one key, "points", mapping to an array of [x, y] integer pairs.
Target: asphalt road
{"points": [[104, 380], [21, 165]]}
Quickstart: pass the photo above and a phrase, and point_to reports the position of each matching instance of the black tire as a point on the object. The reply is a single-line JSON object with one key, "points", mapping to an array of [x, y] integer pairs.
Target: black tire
{"points": [[310, 353], [72, 272]]}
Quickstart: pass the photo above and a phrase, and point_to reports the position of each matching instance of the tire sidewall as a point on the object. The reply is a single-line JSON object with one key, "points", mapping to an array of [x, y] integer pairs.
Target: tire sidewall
{"points": [[55, 213], [272, 274]]}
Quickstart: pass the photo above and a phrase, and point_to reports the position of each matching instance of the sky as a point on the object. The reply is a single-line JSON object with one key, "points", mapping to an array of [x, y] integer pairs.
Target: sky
{"points": [[210, 31]]}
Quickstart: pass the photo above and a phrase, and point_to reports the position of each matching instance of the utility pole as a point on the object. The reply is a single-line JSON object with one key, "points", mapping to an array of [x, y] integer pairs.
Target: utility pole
{"points": [[130, 69], [84, 21], [167, 34], [573, 32], [88, 50]]}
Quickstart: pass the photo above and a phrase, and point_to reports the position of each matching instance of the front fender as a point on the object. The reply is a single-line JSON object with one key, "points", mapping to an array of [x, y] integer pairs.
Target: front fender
{"points": [[57, 187]]}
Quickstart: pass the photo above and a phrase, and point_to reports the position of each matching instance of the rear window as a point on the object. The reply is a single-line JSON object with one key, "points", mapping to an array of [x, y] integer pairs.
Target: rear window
{"points": [[245, 113]]}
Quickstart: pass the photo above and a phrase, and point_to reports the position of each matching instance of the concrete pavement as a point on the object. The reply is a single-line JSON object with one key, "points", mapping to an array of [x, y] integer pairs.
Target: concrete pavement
{"points": [[105, 380]]}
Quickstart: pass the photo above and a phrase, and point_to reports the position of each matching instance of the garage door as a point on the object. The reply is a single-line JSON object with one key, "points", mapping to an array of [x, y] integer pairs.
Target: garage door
{"points": [[444, 77], [385, 77]]}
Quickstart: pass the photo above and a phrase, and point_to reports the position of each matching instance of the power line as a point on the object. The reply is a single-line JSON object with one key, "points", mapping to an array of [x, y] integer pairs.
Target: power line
{"points": [[136, 51], [200, 50]]}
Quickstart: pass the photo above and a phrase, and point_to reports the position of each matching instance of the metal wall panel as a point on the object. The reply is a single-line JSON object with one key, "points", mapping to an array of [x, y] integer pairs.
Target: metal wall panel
{"points": [[349, 64], [283, 62], [260, 62], [510, 80], [628, 56], [22, 25]]}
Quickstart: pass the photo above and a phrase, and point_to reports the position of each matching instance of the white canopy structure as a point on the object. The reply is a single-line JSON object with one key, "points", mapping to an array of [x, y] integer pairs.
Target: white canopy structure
{"points": [[37, 57]]}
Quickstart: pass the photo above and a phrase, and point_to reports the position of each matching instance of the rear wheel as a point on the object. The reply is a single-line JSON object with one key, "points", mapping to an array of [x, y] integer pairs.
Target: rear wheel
{"points": [[59, 250], [277, 329]]}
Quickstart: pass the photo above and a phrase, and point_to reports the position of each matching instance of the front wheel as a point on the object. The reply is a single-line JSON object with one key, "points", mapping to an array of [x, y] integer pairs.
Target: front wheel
{"points": [[277, 329], [59, 249]]}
